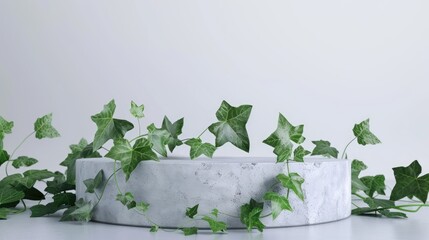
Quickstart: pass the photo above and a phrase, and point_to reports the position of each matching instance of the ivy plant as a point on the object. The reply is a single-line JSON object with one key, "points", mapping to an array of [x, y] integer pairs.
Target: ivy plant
{"points": [[157, 141], [17, 187]]}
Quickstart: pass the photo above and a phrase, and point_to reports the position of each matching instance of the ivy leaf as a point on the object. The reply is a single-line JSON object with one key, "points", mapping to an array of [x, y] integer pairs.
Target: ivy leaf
{"points": [[7, 211], [232, 126], [190, 231], [127, 200], [32, 193], [363, 134], [109, 127], [357, 184], [175, 129], [23, 161], [41, 210], [215, 212], [375, 203], [215, 226], [278, 203], [324, 148], [137, 111], [4, 157], [199, 148], [142, 206], [292, 182], [154, 228], [93, 183], [408, 183], [9, 194], [374, 184], [5, 128], [299, 154], [58, 184], [80, 150], [250, 213], [281, 139], [82, 212], [390, 214], [159, 138], [61, 201], [31, 176], [44, 129], [192, 211], [129, 156]]}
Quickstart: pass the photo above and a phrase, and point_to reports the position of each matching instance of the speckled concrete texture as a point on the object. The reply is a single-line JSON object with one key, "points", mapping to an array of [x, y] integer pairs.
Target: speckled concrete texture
{"points": [[172, 185]]}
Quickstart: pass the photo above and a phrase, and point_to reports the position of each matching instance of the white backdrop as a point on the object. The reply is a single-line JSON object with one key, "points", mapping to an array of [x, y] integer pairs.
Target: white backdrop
{"points": [[326, 64]]}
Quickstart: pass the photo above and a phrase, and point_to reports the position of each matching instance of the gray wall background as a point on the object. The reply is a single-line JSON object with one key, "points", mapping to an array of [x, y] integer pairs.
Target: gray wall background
{"points": [[326, 64]]}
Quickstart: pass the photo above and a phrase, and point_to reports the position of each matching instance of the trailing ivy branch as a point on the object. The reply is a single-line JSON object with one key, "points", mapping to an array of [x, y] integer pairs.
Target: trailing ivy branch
{"points": [[230, 127], [19, 187]]}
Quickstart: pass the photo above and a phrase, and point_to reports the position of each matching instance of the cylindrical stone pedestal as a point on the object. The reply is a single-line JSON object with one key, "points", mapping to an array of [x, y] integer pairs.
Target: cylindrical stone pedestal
{"points": [[172, 185]]}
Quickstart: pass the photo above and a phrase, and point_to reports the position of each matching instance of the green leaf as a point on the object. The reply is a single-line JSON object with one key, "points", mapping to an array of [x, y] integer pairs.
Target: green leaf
{"points": [[127, 200], [109, 127], [357, 184], [4, 157], [38, 174], [199, 148], [5, 128], [232, 126], [58, 184], [292, 182], [281, 139], [129, 156], [192, 211], [215, 212], [190, 231], [154, 228], [409, 184], [391, 214], [324, 148], [80, 150], [299, 154], [374, 184], [32, 194], [42, 210], [7, 211], [9, 194], [215, 226], [82, 212], [93, 183], [382, 203], [44, 129], [61, 201], [23, 161], [175, 129], [65, 198], [250, 213], [159, 138], [363, 134], [142, 206], [137, 111], [278, 203]]}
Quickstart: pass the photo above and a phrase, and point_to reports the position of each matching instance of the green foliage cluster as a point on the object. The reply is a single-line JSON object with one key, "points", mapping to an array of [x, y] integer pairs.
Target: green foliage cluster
{"points": [[156, 142]]}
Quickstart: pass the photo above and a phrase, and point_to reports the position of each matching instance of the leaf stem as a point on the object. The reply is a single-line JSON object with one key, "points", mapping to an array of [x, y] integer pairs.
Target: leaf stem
{"points": [[202, 132], [138, 121], [114, 176], [105, 185], [344, 151], [359, 196], [14, 151], [140, 136], [229, 215]]}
